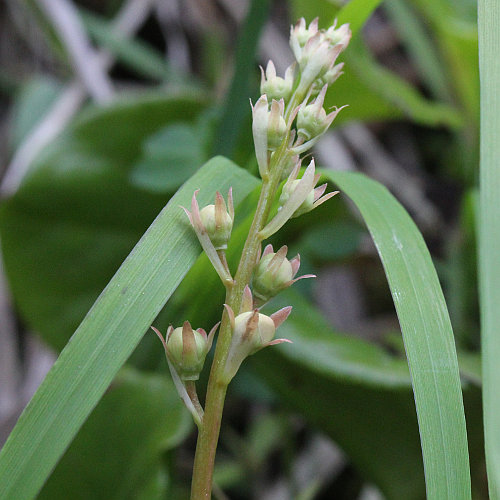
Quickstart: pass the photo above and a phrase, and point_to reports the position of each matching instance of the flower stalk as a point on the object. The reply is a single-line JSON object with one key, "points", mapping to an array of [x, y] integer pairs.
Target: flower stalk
{"points": [[288, 119]]}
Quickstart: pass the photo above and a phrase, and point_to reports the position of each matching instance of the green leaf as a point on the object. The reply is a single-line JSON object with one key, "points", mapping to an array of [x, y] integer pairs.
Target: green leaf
{"points": [[109, 334], [118, 451], [489, 234], [236, 106], [354, 391], [77, 215], [421, 49], [457, 38], [359, 395], [394, 90], [170, 157], [356, 13], [427, 334], [31, 103]]}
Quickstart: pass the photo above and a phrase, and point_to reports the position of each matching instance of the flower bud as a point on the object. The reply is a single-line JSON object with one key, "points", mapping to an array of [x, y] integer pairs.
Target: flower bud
{"points": [[327, 78], [288, 189], [276, 129], [218, 224], [269, 129], [300, 35], [338, 36], [212, 226], [274, 86], [186, 349], [310, 199], [312, 119], [273, 273], [251, 332]]}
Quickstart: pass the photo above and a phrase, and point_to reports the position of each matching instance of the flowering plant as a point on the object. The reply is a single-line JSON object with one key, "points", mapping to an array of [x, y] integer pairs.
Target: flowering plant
{"points": [[288, 119]]}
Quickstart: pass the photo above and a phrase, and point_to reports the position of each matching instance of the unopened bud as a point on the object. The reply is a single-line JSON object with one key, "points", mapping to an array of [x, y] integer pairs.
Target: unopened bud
{"points": [[273, 273], [312, 119], [252, 331], [300, 35], [277, 128], [269, 129], [316, 51], [274, 86], [311, 199], [186, 349], [339, 36], [288, 189], [218, 225]]}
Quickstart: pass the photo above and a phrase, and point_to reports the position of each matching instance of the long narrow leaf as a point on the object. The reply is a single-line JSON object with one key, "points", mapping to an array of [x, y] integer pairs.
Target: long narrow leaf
{"points": [[427, 335], [236, 105], [108, 335], [489, 233]]}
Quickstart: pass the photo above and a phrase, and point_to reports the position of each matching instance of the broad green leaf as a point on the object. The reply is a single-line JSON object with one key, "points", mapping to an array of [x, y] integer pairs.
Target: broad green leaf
{"points": [[489, 234], [32, 101], [356, 13], [108, 335], [346, 358], [169, 157], [427, 334], [77, 215], [117, 453]]}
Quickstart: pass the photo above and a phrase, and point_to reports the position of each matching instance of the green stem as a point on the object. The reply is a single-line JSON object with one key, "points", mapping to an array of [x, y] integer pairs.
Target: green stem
{"points": [[216, 392], [193, 396], [201, 486]]}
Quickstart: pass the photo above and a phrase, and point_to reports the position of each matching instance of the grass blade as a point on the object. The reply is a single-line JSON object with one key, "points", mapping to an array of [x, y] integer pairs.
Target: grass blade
{"points": [[236, 106], [108, 335], [489, 233], [427, 335]]}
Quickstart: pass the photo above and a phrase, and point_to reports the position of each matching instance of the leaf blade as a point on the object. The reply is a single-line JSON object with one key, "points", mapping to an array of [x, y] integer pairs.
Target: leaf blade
{"points": [[489, 235], [427, 334]]}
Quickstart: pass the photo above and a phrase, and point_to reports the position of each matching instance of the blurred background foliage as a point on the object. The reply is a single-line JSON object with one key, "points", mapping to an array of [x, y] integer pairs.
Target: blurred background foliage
{"points": [[104, 119]]}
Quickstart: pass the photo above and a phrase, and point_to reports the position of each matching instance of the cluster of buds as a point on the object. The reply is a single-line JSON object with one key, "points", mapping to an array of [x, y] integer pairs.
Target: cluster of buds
{"points": [[316, 52], [284, 99], [288, 120], [252, 331]]}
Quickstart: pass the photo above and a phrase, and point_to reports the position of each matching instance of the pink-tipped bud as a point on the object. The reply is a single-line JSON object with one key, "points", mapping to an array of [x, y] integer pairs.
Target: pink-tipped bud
{"points": [[218, 222], [312, 119], [186, 349], [252, 331], [313, 198], [317, 50], [277, 128], [273, 273], [274, 86]]}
